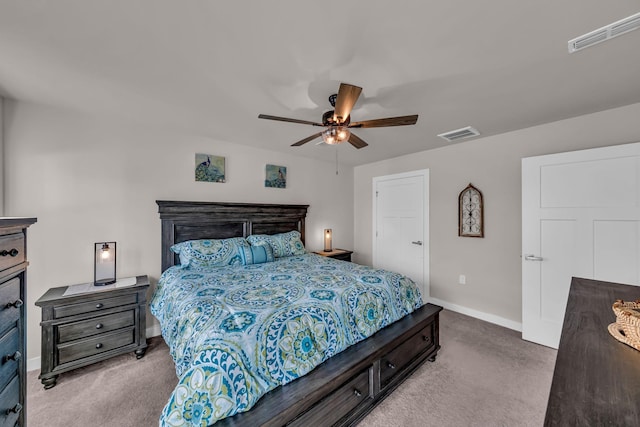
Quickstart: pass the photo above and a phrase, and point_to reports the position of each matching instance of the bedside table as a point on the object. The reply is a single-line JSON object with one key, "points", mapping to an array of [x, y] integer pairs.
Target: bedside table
{"points": [[84, 328], [340, 254]]}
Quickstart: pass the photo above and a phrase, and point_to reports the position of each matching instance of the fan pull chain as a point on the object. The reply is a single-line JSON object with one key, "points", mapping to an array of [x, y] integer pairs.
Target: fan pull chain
{"points": [[336, 160]]}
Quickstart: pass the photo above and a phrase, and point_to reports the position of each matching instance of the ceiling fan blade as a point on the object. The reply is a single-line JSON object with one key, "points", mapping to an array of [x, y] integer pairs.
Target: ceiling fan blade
{"points": [[285, 119], [307, 139], [356, 141], [347, 97], [389, 121]]}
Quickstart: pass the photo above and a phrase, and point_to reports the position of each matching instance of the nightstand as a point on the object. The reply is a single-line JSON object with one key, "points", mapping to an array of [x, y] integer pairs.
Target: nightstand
{"points": [[79, 329], [340, 254]]}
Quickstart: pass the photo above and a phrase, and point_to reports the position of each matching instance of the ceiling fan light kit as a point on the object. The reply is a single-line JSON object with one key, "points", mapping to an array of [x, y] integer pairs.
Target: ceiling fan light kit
{"points": [[334, 135], [338, 121]]}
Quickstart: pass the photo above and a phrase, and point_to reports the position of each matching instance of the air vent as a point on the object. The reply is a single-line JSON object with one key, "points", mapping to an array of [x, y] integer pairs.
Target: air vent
{"points": [[605, 33], [454, 135]]}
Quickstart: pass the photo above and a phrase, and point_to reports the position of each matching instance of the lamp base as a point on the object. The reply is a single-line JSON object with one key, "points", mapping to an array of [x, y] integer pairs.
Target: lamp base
{"points": [[328, 250], [104, 282]]}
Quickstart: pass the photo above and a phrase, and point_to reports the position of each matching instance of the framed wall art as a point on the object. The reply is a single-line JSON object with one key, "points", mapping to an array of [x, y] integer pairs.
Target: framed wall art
{"points": [[275, 176], [470, 212], [210, 168]]}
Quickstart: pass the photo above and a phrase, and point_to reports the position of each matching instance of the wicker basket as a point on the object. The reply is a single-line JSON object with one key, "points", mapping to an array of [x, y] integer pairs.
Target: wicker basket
{"points": [[627, 326]]}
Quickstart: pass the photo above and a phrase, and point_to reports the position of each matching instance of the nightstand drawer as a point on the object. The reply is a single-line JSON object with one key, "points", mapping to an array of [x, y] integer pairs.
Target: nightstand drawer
{"points": [[93, 306], [10, 406], [10, 302], [99, 344], [96, 325], [9, 345], [11, 250]]}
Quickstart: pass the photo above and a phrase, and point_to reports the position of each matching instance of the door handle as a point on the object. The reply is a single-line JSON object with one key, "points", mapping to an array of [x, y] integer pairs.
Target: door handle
{"points": [[418, 242], [532, 258]]}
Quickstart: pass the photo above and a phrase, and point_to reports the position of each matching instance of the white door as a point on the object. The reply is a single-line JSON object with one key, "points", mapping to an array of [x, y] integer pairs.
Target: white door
{"points": [[400, 220], [580, 217]]}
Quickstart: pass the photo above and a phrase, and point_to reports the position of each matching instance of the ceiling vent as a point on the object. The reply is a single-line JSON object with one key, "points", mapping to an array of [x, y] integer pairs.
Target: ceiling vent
{"points": [[605, 33], [457, 134]]}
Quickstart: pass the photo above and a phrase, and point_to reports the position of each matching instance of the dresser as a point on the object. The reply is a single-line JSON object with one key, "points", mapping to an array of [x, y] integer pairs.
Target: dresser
{"points": [[13, 281], [79, 329], [596, 381]]}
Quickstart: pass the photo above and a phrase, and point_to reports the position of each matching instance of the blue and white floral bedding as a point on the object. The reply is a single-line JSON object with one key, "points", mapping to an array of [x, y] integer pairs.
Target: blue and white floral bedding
{"points": [[237, 332]]}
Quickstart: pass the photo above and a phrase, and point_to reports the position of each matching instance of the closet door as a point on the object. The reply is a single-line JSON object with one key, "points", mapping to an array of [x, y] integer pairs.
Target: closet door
{"points": [[580, 217]]}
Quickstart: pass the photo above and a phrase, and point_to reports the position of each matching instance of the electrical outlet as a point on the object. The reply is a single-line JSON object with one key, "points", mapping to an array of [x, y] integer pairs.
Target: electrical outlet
{"points": [[462, 279]]}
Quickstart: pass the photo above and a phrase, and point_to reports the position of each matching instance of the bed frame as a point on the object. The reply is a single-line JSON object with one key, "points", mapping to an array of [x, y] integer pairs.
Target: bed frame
{"points": [[343, 389]]}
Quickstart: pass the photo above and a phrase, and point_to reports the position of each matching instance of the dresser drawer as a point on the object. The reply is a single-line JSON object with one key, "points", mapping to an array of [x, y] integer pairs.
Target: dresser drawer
{"points": [[10, 303], [93, 306], [338, 404], [10, 406], [96, 325], [9, 345], [397, 359], [95, 345], [11, 250]]}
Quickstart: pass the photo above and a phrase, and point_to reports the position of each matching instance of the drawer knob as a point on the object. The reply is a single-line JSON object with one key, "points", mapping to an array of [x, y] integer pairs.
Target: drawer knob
{"points": [[99, 345], [99, 326], [391, 365], [12, 252], [99, 305], [16, 409], [426, 338], [15, 356], [357, 392], [16, 304]]}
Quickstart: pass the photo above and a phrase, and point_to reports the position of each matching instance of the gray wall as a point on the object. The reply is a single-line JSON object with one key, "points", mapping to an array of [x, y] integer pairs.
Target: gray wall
{"points": [[91, 179], [492, 264]]}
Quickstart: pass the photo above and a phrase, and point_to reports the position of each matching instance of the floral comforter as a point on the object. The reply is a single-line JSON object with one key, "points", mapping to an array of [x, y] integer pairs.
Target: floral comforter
{"points": [[237, 332]]}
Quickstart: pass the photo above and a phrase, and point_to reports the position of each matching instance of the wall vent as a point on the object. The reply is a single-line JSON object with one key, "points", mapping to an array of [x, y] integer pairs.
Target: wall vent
{"points": [[462, 133], [605, 33]]}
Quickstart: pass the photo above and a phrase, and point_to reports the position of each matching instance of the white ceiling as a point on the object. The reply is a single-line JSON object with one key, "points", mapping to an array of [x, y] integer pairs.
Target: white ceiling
{"points": [[209, 67]]}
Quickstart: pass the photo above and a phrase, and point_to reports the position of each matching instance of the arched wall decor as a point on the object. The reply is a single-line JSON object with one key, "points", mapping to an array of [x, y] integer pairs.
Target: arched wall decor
{"points": [[470, 212]]}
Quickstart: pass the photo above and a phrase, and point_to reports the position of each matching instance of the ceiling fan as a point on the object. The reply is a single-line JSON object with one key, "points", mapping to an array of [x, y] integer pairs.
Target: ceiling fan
{"points": [[338, 121]]}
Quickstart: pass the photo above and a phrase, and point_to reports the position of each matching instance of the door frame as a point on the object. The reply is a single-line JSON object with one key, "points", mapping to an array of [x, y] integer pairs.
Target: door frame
{"points": [[424, 174]]}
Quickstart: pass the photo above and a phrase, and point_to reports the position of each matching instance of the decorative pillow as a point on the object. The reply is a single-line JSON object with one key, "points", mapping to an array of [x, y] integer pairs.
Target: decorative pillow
{"points": [[210, 253], [256, 254], [283, 244]]}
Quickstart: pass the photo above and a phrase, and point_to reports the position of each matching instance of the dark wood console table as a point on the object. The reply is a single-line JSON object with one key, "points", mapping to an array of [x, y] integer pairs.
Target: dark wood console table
{"points": [[596, 381]]}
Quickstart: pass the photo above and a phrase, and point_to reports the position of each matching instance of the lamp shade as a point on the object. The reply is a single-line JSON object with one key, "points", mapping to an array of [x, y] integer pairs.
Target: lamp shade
{"points": [[328, 240], [104, 265]]}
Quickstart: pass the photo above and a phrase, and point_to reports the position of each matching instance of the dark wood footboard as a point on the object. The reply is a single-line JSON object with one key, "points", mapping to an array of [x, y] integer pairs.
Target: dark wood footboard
{"points": [[342, 390]]}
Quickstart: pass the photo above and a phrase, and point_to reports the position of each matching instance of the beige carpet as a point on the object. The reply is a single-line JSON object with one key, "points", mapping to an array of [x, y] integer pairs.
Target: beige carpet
{"points": [[485, 375]]}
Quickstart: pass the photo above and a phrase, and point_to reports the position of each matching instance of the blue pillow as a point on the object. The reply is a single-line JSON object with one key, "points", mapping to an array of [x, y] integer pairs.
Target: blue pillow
{"points": [[283, 244], [256, 254], [210, 253]]}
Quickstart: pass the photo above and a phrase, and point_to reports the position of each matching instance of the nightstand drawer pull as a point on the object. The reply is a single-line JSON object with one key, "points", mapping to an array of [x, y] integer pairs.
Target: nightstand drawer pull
{"points": [[99, 326], [16, 409], [15, 356], [16, 304], [99, 345], [99, 305], [426, 338], [12, 252], [357, 392], [391, 365]]}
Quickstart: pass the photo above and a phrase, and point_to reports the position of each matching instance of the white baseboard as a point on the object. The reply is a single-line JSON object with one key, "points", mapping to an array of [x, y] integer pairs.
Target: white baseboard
{"points": [[491, 318], [33, 364], [154, 330]]}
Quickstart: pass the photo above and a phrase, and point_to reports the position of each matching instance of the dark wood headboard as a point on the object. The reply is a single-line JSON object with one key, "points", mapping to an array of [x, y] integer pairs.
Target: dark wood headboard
{"points": [[183, 221]]}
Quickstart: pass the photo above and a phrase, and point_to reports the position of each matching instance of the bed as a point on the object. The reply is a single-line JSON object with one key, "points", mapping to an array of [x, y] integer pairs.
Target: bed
{"points": [[299, 340]]}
